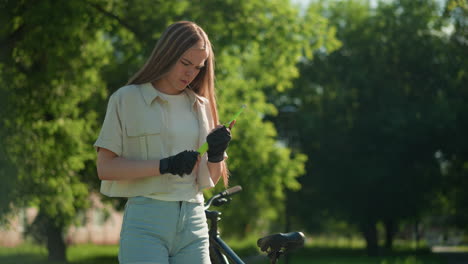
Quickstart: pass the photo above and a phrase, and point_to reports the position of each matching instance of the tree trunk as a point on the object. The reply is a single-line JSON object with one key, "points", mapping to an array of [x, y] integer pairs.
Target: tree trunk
{"points": [[55, 243], [417, 233], [390, 231], [369, 230]]}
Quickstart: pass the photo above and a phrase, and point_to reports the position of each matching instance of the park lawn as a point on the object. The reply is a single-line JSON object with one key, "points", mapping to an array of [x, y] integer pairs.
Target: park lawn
{"points": [[353, 256], [97, 254], [80, 254], [358, 256]]}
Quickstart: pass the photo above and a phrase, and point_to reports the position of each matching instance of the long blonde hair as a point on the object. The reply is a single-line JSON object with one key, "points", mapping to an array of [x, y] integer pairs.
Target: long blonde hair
{"points": [[175, 40]]}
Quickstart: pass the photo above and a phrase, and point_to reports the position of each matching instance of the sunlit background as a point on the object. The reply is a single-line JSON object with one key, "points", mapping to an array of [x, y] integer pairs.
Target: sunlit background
{"points": [[355, 131]]}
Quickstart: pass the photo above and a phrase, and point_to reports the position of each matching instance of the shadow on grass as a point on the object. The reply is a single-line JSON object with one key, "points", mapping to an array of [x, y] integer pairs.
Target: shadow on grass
{"points": [[318, 255], [359, 256], [23, 258], [31, 258], [306, 255], [455, 257], [97, 260], [351, 252]]}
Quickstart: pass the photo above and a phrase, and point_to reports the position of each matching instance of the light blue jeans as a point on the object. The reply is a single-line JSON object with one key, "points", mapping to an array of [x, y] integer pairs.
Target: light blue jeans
{"points": [[162, 232]]}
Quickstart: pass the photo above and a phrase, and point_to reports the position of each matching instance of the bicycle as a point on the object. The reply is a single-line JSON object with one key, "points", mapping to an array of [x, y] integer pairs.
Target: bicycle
{"points": [[274, 245]]}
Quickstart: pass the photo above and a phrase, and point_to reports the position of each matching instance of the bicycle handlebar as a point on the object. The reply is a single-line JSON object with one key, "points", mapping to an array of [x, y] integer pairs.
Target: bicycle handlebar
{"points": [[217, 199], [232, 190]]}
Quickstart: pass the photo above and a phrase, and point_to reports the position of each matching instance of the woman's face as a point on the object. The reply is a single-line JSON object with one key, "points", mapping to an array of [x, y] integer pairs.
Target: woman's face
{"points": [[184, 71]]}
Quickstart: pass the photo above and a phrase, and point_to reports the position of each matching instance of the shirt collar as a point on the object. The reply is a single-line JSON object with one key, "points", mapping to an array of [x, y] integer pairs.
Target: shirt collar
{"points": [[150, 94]]}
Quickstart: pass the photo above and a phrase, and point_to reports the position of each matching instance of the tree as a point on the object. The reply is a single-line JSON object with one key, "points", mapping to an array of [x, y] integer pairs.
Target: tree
{"points": [[59, 62], [256, 58], [372, 115], [52, 53], [248, 36], [453, 200]]}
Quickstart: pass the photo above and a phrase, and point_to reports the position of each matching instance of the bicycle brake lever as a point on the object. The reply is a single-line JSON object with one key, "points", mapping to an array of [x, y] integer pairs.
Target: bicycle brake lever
{"points": [[221, 201]]}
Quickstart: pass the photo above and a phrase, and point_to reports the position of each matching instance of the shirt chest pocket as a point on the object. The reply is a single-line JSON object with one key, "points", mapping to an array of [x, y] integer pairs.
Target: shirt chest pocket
{"points": [[144, 140]]}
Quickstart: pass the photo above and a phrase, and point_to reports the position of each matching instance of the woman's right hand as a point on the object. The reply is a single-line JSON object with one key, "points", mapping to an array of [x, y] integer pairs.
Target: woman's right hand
{"points": [[179, 164]]}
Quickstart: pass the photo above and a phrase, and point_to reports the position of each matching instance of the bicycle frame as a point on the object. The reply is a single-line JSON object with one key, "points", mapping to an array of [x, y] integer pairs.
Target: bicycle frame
{"points": [[220, 252]]}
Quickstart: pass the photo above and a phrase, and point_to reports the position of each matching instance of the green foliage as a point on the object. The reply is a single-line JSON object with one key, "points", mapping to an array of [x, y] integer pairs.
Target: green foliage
{"points": [[50, 72], [59, 61], [258, 57], [91, 254], [373, 114], [257, 45], [256, 162], [374, 103], [453, 198]]}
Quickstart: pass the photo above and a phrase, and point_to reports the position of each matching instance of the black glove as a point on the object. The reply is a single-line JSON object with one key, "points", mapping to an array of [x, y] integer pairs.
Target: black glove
{"points": [[218, 141], [180, 164]]}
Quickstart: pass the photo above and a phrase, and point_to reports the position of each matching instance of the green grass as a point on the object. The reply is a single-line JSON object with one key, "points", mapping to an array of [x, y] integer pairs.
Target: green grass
{"points": [[95, 254], [338, 250], [82, 254], [358, 256]]}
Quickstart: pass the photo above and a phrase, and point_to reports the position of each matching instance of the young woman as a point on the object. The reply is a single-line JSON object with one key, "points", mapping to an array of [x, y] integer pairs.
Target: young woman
{"points": [[147, 150]]}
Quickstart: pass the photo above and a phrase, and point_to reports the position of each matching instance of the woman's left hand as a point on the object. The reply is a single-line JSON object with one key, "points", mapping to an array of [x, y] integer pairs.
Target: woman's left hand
{"points": [[218, 141]]}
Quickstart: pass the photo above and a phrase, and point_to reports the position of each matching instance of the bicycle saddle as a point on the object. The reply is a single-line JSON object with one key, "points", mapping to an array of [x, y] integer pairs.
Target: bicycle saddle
{"points": [[281, 242]]}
